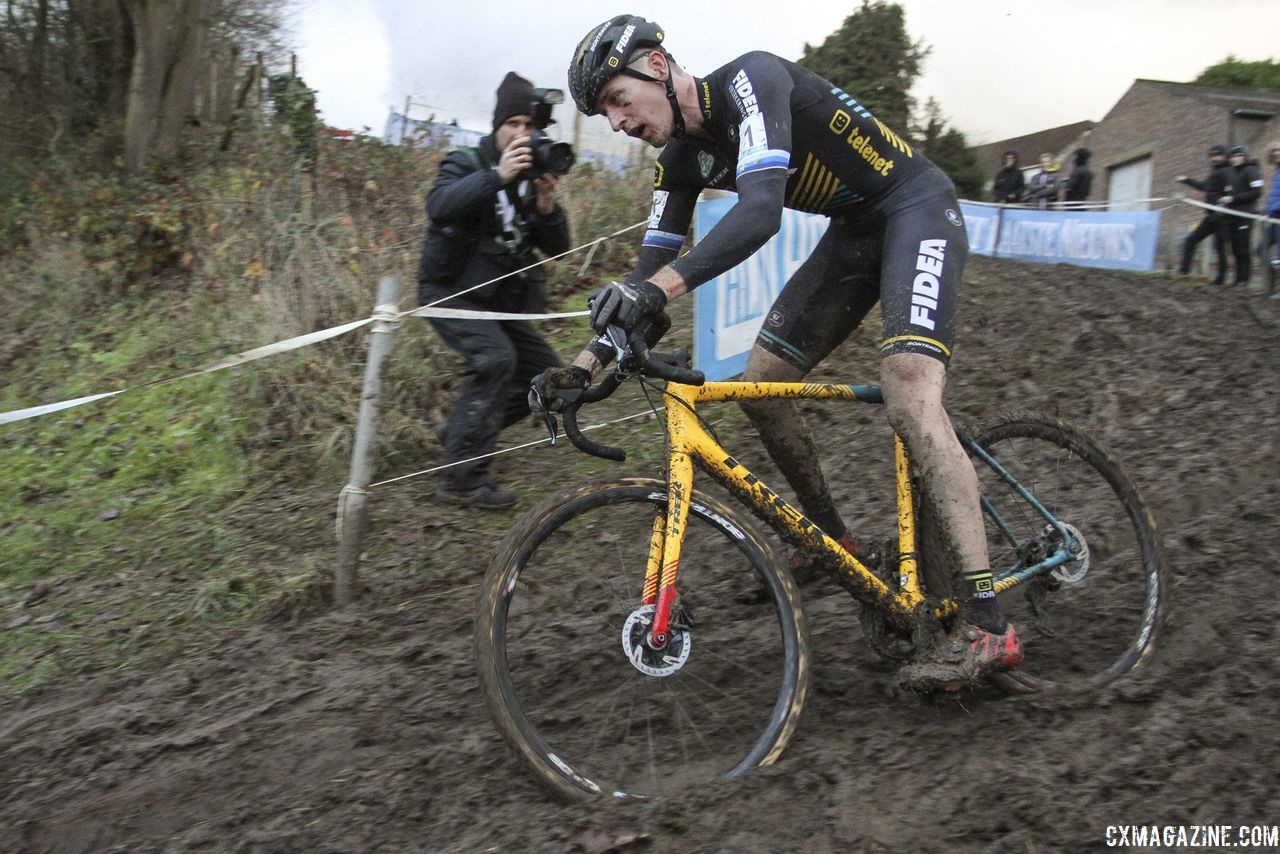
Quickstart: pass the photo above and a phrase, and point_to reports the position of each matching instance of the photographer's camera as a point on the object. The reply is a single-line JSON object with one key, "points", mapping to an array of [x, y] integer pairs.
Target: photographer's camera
{"points": [[548, 155]]}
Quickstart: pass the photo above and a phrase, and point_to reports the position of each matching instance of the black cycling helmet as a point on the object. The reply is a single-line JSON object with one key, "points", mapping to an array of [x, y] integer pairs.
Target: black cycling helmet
{"points": [[602, 54]]}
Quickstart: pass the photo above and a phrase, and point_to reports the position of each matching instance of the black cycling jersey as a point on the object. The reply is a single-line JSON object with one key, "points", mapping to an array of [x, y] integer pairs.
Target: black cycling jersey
{"points": [[781, 136]]}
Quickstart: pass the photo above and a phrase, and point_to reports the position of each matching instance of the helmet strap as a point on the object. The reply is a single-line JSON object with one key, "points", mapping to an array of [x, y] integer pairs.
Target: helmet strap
{"points": [[677, 119]]}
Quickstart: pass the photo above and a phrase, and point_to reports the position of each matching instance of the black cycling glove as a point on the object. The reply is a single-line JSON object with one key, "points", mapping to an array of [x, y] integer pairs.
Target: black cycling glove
{"points": [[624, 305], [544, 390]]}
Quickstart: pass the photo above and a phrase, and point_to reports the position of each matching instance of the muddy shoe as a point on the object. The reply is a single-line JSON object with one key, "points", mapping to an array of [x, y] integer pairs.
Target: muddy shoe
{"points": [[486, 496], [967, 656]]}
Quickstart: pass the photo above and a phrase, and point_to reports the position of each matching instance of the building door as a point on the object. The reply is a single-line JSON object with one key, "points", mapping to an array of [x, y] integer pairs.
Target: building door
{"points": [[1128, 183]]}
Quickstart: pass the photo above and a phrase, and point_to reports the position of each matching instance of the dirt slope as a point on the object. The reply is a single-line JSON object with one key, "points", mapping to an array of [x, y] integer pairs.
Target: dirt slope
{"points": [[365, 732]]}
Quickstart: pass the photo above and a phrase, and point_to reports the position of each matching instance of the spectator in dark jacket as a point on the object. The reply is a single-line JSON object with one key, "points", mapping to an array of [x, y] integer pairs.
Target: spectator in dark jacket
{"points": [[1213, 223], [1009, 184], [1081, 180], [488, 215], [1241, 192]]}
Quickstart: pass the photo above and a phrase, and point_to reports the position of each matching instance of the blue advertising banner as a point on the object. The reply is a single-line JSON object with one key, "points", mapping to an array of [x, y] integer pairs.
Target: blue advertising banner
{"points": [[729, 309], [1117, 241]]}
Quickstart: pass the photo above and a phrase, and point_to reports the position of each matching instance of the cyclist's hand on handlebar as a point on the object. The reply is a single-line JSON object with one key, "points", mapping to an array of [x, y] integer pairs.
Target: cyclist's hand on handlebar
{"points": [[624, 305], [547, 390]]}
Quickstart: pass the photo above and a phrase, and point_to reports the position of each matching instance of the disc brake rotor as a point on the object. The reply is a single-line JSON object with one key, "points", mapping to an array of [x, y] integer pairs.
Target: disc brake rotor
{"points": [[649, 661], [1074, 570]]}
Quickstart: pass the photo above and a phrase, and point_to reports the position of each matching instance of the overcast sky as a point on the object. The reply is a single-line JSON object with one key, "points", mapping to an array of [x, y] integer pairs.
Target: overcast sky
{"points": [[1000, 68]]}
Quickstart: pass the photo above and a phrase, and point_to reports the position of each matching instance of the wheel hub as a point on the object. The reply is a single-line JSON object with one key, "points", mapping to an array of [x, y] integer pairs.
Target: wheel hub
{"points": [[646, 659], [1074, 570]]}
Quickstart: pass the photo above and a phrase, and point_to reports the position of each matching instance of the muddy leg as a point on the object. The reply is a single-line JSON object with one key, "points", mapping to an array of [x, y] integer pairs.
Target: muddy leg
{"points": [[787, 438], [913, 396]]}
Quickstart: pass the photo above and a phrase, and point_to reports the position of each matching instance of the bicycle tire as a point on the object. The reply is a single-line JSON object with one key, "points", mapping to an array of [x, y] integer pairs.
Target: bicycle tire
{"points": [[1077, 634], [549, 645]]}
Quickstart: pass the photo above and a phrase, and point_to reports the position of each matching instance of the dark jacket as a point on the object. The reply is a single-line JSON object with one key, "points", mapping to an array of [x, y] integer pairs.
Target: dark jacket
{"points": [[1212, 186], [1008, 185], [1079, 184], [1244, 185], [468, 243], [1042, 189]]}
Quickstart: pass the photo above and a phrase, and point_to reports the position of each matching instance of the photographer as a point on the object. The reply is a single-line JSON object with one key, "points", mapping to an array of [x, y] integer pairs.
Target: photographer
{"points": [[490, 207]]}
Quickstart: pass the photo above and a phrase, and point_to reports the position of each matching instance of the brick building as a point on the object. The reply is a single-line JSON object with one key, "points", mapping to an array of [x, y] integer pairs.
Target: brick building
{"points": [[1159, 130]]}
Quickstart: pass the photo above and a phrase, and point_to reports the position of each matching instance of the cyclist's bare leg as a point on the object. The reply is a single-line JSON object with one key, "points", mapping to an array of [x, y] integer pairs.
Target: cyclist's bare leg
{"points": [[787, 438], [913, 386]]}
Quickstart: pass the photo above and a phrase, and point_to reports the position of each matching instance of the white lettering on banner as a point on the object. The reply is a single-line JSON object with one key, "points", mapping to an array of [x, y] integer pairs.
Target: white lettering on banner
{"points": [[1070, 240], [1081, 240], [744, 294]]}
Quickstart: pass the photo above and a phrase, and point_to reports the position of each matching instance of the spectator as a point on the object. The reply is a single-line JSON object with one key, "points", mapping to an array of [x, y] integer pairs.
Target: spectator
{"points": [[487, 216], [1269, 246], [1081, 180], [1212, 223], [1042, 189], [1009, 184], [1243, 187]]}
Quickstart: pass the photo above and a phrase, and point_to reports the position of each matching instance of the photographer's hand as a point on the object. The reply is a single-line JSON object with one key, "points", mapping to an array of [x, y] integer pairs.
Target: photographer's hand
{"points": [[516, 158], [545, 185]]}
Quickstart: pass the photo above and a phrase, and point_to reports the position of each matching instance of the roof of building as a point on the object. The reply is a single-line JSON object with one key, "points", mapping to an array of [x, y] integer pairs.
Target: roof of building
{"points": [[1264, 100], [1030, 146]]}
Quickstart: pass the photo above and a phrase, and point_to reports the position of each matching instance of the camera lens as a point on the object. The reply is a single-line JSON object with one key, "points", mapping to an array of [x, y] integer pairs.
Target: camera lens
{"points": [[559, 157]]}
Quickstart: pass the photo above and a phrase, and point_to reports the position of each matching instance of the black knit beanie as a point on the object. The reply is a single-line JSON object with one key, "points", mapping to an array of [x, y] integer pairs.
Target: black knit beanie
{"points": [[515, 96]]}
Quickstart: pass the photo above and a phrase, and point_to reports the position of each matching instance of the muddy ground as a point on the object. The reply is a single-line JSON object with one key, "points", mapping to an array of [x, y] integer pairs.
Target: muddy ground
{"points": [[364, 731]]}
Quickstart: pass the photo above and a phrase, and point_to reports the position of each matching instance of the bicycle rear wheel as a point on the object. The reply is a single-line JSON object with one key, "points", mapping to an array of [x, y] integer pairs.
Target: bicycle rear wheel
{"points": [[561, 609], [1095, 618]]}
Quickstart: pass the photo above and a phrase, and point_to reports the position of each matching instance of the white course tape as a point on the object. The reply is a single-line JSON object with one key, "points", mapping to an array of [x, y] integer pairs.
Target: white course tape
{"points": [[34, 411], [1220, 209], [220, 364], [1068, 206], [386, 314], [464, 314]]}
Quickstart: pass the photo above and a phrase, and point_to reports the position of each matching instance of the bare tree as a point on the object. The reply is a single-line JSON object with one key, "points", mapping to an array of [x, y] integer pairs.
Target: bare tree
{"points": [[169, 43]]}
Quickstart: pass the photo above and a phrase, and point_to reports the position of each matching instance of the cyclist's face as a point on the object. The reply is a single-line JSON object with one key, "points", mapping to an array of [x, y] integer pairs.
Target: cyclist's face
{"points": [[638, 108]]}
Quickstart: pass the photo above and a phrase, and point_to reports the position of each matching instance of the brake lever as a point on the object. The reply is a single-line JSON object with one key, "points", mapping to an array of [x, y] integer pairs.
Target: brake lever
{"points": [[547, 418]]}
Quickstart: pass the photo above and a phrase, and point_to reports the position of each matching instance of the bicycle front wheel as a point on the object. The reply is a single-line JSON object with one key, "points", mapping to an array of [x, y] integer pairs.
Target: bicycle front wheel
{"points": [[1099, 615], [559, 626]]}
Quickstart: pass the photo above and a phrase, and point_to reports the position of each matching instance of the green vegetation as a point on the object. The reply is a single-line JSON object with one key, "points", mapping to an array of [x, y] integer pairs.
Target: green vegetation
{"points": [[139, 524], [1233, 73], [873, 58]]}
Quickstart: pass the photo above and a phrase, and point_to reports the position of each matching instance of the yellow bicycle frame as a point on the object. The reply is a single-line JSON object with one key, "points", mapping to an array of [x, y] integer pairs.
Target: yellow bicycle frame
{"points": [[690, 442]]}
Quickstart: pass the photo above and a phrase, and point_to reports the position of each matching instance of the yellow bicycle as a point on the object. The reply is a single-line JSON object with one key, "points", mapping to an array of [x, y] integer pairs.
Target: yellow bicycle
{"points": [[635, 636]]}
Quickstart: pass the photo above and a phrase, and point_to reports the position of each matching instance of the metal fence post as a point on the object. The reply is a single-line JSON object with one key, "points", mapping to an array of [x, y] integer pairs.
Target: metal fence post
{"points": [[351, 501]]}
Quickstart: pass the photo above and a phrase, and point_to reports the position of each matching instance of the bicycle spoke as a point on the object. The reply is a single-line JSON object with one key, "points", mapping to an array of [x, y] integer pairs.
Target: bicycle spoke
{"points": [[568, 681]]}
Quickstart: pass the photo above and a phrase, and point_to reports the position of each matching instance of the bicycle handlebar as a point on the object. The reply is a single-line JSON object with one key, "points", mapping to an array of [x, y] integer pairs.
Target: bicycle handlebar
{"points": [[636, 358]]}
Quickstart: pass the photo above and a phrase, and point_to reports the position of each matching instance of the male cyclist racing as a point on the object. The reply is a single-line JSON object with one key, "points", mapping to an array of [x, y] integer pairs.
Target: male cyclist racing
{"points": [[781, 136]]}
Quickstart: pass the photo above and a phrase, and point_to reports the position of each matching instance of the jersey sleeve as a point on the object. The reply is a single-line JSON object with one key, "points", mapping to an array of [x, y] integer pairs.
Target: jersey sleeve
{"points": [[669, 220], [758, 103]]}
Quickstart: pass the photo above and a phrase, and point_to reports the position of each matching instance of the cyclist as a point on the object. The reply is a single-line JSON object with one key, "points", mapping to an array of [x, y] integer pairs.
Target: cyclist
{"points": [[781, 136]]}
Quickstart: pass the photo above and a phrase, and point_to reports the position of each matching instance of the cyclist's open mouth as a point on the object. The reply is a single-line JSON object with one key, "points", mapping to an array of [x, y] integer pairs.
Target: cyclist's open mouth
{"points": [[637, 132]]}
